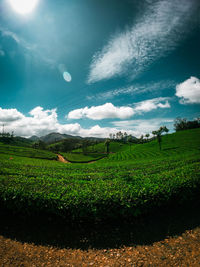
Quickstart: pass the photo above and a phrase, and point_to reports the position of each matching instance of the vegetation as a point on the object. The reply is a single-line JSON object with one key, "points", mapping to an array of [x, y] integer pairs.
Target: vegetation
{"points": [[107, 145], [26, 152], [158, 134], [127, 183], [75, 157], [183, 124]]}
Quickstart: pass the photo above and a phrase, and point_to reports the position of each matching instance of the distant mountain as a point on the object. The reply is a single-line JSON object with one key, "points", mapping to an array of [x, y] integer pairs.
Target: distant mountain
{"points": [[34, 138], [54, 137]]}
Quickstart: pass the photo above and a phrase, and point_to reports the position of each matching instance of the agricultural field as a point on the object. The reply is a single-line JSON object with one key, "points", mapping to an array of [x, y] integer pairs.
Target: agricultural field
{"points": [[26, 152], [78, 157], [100, 148], [131, 182]]}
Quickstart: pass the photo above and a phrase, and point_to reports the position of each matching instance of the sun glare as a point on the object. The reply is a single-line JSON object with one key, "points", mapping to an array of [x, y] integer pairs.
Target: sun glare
{"points": [[23, 6]]}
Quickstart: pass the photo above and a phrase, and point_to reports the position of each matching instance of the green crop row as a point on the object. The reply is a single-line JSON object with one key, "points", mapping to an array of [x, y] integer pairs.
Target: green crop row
{"points": [[26, 152], [133, 181], [96, 190], [82, 158]]}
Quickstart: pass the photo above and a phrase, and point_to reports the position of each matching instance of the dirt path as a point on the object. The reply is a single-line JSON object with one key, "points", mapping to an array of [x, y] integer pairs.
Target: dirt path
{"points": [[183, 250], [61, 159]]}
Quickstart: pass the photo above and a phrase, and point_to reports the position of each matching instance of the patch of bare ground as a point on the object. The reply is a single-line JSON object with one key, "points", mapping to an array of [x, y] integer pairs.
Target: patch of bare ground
{"points": [[61, 159], [167, 238], [183, 250]]}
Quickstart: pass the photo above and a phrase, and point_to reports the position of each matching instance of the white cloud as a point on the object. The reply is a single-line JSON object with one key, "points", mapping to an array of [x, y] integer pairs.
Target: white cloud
{"points": [[134, 89], [41, 122], [158, 31], [105, 111], [10, 115], [11, 34], [109, 111], [189, 91], [151, 104], [144, 126]]}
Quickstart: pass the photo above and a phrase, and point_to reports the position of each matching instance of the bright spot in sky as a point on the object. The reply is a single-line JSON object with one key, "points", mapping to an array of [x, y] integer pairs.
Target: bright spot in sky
{"points": [[23, 6], [67, 76]]}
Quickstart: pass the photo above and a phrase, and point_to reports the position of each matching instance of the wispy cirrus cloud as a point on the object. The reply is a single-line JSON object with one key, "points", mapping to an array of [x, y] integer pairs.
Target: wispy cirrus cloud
{"points": [[33, 48], [134, 89], [19, 40], [154, 35], [109, 111]]}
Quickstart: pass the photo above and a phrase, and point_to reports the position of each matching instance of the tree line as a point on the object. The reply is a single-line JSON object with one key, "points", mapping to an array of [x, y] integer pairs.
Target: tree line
{"points": [[181, 124]]}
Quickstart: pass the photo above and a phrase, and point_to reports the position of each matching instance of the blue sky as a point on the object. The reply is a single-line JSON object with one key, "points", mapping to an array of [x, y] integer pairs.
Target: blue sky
{"points": [[131, 65]]}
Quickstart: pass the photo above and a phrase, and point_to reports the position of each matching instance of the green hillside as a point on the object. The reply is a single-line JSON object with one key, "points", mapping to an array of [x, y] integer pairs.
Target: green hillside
{"points": [[94, 152], [182, 142], [26, 152], [100, 147], [16, 141], [82, 158], [130, 183]]}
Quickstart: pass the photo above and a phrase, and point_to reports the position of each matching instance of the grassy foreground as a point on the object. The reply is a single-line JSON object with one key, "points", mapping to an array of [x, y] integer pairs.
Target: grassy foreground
{"points": [[131, 182]]}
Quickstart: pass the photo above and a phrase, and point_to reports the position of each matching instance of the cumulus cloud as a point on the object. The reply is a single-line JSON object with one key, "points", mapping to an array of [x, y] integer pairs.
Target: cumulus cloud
{"points": [[189, 91], [105, 111], [10, 115], [109, 111], [151, 104], [158, 32], [41, 122]]}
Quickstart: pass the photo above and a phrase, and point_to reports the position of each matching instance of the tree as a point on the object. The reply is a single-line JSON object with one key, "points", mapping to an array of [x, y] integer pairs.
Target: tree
{"points": [[107, 144], [165, 129], [158, 134], [141, 139], [68, 145], [147, 135], [41, 144], [183, 124], [125, 137], [84, 146]]}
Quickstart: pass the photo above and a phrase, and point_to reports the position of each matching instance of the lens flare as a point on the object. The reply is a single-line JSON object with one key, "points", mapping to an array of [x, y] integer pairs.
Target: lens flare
{"points": [[67, 76]]}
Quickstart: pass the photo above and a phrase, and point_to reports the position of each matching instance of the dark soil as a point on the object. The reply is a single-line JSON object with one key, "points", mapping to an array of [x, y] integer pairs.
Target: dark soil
{"points": [[167, 238]]}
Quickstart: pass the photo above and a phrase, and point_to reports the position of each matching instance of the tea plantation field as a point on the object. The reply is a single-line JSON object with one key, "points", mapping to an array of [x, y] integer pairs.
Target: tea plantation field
{"points": [[78, 157], [133, 181]]}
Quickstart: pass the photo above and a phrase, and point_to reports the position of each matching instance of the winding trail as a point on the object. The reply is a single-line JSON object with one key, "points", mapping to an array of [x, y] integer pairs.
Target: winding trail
{"points": [[61, 159]]}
